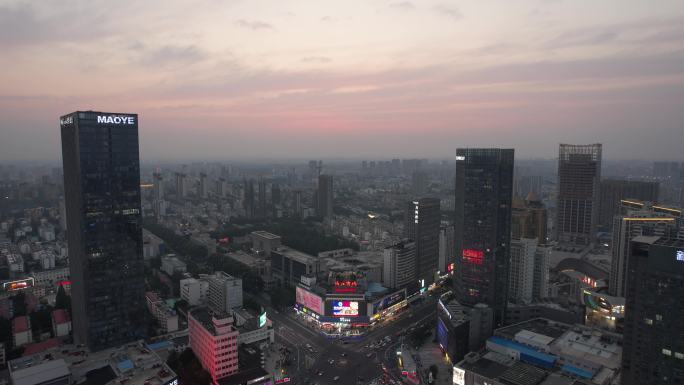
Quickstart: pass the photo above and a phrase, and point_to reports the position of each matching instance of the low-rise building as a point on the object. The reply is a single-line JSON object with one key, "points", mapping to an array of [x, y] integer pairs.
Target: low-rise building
{"points": [[21, 331], [50, 277], [460, 328], [543, 352], [131, 364], [214, 340], [61, 323], [263, 242], [194, 291], [172, 265], [225, 292], [166, 318], [288, 265]]}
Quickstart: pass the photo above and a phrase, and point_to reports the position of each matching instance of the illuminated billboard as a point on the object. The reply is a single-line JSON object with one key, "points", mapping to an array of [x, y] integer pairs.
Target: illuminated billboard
{"points": [[309, 300], [473, 256], [459, 376], [262, 320], [343, 308], [18, 284]]}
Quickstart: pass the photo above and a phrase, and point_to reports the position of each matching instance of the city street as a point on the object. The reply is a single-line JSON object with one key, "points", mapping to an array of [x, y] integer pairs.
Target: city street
{"points": [[316, 359]]}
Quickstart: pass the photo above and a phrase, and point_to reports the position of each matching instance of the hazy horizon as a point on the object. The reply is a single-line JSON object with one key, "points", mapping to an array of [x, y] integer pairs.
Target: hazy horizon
{"points": [[353, 80]]}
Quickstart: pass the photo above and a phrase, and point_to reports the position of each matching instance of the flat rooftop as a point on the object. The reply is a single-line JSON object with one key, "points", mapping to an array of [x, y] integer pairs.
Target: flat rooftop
{"points": [[297, 255], [265, 234], [134, 364], [204, 316]]}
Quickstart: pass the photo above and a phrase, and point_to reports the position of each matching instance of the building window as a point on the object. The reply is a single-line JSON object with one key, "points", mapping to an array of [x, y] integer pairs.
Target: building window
{"points": [[667, 352], [648, 321]]}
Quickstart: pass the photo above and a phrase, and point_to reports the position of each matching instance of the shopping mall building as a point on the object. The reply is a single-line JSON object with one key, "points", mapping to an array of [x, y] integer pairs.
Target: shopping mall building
{"points": [[346, 304]]}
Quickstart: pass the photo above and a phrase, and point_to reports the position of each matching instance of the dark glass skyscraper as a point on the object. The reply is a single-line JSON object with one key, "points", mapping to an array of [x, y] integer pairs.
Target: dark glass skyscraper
{"points": [[422, 225], [653, 343], [102, 194], [324, 196], [482, 226]]}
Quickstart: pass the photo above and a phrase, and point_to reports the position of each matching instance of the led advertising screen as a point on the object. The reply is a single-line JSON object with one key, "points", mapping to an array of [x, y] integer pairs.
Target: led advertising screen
{"points": [[309, 300], [343, 308]]}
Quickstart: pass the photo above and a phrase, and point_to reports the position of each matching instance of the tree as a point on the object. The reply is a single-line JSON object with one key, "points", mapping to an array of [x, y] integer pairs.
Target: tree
{"points": [[62, 301], [434, 370], [19, 302]]}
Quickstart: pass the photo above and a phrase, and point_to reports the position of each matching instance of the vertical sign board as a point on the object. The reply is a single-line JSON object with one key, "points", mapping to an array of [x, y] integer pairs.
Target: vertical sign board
{"points": [[459, 376]]}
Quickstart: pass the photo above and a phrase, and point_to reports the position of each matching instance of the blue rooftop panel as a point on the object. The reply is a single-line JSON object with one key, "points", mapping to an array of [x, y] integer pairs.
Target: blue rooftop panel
{"points": [[125, 365], [543, 358], [159, 345], [577, 371]]}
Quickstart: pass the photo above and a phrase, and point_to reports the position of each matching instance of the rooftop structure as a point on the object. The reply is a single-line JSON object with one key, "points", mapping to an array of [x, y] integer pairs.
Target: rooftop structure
{"points": [[551, 347], [132, 364]]}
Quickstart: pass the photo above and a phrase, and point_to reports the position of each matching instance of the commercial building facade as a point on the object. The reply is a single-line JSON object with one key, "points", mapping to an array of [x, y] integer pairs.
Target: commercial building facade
{"points": [[102, 194], [214, 340]]}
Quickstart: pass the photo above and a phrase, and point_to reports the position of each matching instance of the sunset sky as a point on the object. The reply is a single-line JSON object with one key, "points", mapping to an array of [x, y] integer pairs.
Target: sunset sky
{"points": [[370, 78]]}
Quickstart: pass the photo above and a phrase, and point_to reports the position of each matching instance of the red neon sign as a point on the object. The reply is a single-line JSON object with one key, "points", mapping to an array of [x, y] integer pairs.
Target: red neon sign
{"points": [[473, 256], [345, 286], [450, 267]]}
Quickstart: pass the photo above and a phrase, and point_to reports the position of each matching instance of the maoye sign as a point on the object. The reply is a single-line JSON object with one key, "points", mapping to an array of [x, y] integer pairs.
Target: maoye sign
{"points": [[116, 119]]}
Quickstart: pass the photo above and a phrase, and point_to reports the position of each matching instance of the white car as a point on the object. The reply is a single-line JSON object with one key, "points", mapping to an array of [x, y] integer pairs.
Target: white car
{"points": [[336, 378]]}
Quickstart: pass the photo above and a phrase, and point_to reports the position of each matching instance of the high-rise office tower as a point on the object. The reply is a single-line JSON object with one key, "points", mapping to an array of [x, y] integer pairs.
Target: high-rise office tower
{"points": [[158, 190], [181, 186], [419, 181], [297, 203], [638, 218], [102, 194], [579, 173], [248, 201], [529, 219], [446, 249], [262, 198], [220, 187], [653, 339], [422, 223], [521, 277], [482, 226], [399, 265], [275, 194], [325, 196], [203, 188], [613, 191]]}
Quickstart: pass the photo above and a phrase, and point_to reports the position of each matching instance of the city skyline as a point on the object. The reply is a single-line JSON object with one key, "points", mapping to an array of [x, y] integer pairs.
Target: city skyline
{"points": [[301, 80]]}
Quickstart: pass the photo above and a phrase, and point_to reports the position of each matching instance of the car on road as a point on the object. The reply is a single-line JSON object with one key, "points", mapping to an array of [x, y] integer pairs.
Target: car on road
{"points": [[336, 378], [344, 354], [331, 361], [320, 372]]}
